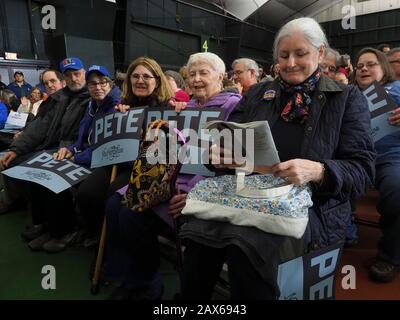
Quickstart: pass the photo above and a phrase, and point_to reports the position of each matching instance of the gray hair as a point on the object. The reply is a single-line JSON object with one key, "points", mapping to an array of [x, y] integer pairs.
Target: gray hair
{"points": [[249, 64], [180, 83], [336, 54], [210, 58], [393, 51], [310, 28]]}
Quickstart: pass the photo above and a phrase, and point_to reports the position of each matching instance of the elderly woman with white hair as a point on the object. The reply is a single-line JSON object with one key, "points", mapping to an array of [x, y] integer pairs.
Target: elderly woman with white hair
{"points": [[205, 73], [137, 243], [322, 132]]}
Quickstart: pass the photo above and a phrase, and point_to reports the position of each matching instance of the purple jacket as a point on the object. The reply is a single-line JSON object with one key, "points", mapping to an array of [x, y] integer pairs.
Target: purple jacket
{"points": [[225, 100]]}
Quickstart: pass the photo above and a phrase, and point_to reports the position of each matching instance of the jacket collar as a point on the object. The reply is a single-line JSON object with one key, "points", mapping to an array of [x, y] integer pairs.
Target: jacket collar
{"points": [[327, 85]]}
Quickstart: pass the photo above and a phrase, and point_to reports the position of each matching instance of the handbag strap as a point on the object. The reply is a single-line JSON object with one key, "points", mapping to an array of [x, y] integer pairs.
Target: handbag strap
{"points": [[155, 125], [163, 125], [243, 191]]}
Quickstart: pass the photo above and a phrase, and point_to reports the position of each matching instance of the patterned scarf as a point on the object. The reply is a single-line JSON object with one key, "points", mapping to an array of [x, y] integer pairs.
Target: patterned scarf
{"points": [[298, 107]]}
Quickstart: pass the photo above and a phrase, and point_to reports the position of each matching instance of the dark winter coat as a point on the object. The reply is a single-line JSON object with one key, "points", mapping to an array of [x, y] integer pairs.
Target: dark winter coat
{"points": [[57, 126], [337, 134]]}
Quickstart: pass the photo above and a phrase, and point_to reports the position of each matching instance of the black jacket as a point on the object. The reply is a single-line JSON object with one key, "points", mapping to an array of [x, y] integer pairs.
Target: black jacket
{"points": [[337, 134], [56, 125]]}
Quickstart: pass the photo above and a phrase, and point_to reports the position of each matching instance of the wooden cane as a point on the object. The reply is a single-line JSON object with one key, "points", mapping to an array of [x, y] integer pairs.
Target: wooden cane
{"points": [[99, 260]]}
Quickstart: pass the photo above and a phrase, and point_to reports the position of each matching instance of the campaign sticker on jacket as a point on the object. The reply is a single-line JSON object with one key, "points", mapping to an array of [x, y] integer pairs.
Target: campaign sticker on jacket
{"points": [[52, 174], [117, 137], [269, 95], [380, 106]]}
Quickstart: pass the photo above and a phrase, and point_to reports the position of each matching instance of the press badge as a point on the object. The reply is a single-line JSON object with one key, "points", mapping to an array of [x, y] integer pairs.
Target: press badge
{"points": [[269, 95]]}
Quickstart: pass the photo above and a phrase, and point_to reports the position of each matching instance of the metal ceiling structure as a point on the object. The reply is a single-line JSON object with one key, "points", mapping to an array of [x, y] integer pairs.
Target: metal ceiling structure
{"points": [[272, 13]]}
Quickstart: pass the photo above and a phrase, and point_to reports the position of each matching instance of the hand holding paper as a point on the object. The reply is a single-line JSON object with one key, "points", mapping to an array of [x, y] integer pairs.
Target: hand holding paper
{"points": [[252, 144], [299, 171], [394, 119]]}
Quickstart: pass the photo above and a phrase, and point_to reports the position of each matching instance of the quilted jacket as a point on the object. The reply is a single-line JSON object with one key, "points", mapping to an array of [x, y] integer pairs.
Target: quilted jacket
{"points": [[337, 134]]}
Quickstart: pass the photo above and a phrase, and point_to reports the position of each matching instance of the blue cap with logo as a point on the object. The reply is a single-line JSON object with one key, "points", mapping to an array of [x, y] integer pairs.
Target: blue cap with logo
{"points": [[71, 63], [99, 69]]}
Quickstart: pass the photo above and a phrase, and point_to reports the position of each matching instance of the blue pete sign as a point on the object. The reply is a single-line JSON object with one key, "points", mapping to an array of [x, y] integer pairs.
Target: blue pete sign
{"points": [[54, 175], [311, 276], [117, 137], [380, 105]]}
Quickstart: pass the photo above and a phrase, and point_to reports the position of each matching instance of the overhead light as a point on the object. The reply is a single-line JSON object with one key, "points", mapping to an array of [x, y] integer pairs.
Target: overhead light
{"points": [[10, 55]]}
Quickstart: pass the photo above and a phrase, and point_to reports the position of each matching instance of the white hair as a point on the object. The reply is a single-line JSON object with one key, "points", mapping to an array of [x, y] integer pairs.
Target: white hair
{"points": [[210, 58], [310, 28], [249, 64]]}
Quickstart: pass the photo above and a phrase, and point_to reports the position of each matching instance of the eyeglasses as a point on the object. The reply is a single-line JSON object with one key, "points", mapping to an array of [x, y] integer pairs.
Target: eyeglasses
{"points": [[93, 84], [145, 77], [394, 61], [238, 72], [330, 68], [368, 65], [51, 82]]}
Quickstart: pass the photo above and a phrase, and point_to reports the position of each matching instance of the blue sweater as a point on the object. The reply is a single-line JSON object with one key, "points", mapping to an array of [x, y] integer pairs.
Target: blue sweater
{"points": [[22, 91], [81, 148], [3, 114]]}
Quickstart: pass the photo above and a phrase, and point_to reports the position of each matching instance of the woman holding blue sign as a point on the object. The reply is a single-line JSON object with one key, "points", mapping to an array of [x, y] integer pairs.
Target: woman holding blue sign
{"points": [[145, 85], [322, 132], [372, 65], [133, 256], [104, 96]]}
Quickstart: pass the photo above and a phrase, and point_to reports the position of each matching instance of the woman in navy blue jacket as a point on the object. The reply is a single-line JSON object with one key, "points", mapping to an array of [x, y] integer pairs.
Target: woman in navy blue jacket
{"points": [[104, 97], [322, 131]]}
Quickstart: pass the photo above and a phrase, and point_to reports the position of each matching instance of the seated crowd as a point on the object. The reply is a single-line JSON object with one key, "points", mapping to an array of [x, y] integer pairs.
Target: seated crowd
{"points": [[321, 125]]}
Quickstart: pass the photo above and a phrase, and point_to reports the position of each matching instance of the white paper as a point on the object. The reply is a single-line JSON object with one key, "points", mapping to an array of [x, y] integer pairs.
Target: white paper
{"points": [[16, 120], [262, 148]]}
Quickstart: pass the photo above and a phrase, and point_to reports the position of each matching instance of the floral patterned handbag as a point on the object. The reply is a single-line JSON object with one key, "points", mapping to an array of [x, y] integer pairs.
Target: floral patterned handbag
{"points": [[283, 213], [151, 184]]}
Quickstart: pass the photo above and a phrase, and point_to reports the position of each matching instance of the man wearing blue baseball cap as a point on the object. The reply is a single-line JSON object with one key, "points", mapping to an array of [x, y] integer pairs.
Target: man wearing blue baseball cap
{"points": [[74, 73], [56, 126]]}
